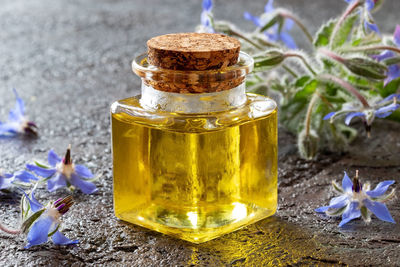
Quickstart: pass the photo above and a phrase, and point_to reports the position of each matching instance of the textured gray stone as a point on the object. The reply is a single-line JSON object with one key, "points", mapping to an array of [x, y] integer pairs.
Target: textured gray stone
{"points": [[71, 59]]}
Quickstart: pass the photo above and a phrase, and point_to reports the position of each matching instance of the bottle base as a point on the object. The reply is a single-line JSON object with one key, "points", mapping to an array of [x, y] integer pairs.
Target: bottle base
{"points": [[197, 224]]}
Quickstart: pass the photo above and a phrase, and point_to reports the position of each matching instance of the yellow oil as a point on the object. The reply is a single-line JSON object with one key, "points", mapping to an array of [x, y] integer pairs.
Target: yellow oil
{"points": [[196, 176]]}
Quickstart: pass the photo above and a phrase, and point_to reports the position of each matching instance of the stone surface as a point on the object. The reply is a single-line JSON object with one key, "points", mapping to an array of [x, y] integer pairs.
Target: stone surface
{"points": [[71, 59]]}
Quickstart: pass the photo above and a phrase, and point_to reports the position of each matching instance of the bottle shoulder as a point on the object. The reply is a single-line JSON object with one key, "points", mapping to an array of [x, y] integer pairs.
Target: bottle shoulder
{"points": [[131, 111]]}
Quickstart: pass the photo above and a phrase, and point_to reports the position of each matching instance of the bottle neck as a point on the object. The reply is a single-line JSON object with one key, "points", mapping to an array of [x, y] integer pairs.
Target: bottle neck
{"points": [[193, 103]]}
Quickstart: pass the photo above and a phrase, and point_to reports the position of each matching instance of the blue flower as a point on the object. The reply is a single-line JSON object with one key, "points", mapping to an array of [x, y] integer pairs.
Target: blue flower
{"points": [[356, 200], [7, 180], [17, 122], [380, 109], [64, 173], [275, 33], [394, 69], [41, 222], [207, 17], [366, 14]]}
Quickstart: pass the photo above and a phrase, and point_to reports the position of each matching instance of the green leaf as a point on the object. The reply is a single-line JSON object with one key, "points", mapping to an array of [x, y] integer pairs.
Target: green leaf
{"points": [[267, 60], [367, 68], [395, 116], [390, 88], [301, 81], [307, 90], [391, 61], [274, 19], [344, 31], [28, 222], [324, 33]]}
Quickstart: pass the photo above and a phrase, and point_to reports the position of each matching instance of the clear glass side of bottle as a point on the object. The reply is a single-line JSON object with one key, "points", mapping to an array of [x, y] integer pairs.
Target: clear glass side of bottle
{"points": [[195, 175]]}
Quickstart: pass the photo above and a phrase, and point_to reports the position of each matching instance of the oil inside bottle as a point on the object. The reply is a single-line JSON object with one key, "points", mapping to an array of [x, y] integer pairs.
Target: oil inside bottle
{"points": [[195, 176]]}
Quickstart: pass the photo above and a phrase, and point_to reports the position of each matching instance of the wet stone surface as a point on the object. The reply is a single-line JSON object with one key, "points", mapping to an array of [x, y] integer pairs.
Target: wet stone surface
{"points": [[71, 59]]}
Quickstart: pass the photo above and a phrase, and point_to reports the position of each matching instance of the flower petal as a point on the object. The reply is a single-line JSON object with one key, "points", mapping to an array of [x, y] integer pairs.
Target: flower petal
{"points": [[371, 26], [269, 7], [390, 98], [60, 239], [396, 36], [207, 5], [7, 129], [83, 171], [25, 176], [351, 213], [329, 115], [39, 231], [41, 171], [33, 203], [288, 40], [85, 186], [390, 108], [254, 19], [351, 115], [53, 158], [379, 209], [322, 209], [339, 202], [380, 189], [347, 184], [369, 4], [5, 182], [56, 182]]}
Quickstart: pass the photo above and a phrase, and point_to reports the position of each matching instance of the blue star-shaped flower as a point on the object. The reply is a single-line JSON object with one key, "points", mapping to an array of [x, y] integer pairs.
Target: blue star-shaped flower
{"points": [[394, 69], [275, 33], [64, 173], [7, 180], [206, 17], [380, 109], [358, 200], [17, 122], [44, 222], [366, 14]]}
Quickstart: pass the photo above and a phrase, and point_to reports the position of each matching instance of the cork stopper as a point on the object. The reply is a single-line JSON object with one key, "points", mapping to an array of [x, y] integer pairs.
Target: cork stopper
{"points": [[193, 51]]}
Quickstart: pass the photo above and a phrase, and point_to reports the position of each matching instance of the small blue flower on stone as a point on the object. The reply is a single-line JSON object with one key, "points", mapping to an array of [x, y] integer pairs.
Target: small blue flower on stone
{"points": [[380, 109], [206, 17], [357, 200], [393, 69], [7, 179], [41, 222], [17, 122], [366, 15], [275, 33], [64, 173]]}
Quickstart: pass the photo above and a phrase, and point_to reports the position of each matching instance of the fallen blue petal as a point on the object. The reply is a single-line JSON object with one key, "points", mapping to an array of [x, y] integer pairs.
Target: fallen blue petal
{"points": [[56, 182], [380, 189], [347, 184], [351, 213], [85, 186], [41, 171], [83, 171], [379, 209], [53, 158], [38, 233], [60, 239]]}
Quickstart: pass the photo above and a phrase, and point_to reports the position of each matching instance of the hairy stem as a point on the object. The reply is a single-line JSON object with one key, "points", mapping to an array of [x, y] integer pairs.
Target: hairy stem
{"points": [[348, 11], [309, 112], [9, 231], [238, 34], [346, 86], [288, 69], [332, 55], [306, 64], [299, 23], [366, 48]]}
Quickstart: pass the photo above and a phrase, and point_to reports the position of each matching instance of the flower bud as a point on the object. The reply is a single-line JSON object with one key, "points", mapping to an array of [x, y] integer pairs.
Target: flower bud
{"points": [[366, 68], [268, 59], [308, 144]]}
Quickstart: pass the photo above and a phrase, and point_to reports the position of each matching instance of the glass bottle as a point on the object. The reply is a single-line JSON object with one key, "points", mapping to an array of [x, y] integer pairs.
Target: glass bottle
{"points": [[194, 166]]}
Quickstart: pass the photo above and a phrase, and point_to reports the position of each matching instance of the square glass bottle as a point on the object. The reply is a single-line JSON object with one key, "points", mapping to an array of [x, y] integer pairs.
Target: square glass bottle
{"points": [[194, 165]]}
